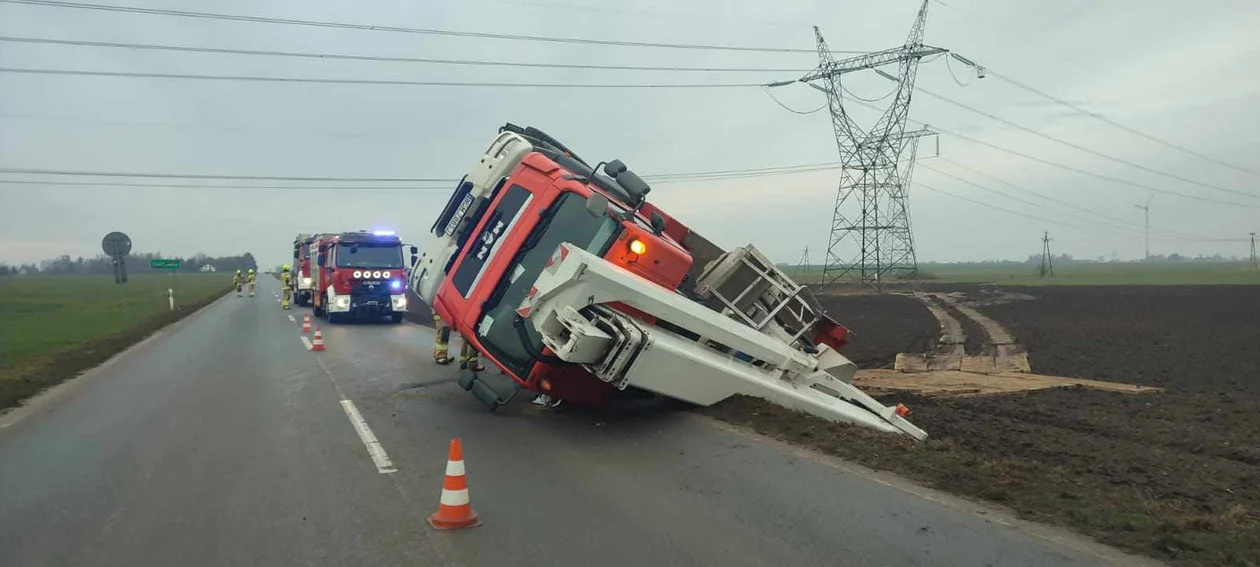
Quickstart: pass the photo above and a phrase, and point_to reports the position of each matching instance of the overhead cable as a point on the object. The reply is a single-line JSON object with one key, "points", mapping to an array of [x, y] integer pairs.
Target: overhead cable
{"points": [[323, 81], [410, 30], [386, 59]]}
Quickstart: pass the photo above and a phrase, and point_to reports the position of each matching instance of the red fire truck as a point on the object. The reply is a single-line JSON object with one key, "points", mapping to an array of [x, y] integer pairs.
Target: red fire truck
{"points": [[359, 275], [576, 287], [303, 280]]}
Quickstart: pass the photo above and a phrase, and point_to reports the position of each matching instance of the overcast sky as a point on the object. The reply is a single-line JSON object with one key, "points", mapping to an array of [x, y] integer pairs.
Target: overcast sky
{"points": [[1184, 72]]}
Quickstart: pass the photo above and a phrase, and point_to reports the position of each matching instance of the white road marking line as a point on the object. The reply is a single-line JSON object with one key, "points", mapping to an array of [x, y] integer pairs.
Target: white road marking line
{"points": [[306, 342], [292, 320], [374, 448]]}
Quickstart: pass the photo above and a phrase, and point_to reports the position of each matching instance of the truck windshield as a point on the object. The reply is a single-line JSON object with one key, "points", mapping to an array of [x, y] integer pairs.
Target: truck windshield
{"points": [[565, 221], [369, 256]]}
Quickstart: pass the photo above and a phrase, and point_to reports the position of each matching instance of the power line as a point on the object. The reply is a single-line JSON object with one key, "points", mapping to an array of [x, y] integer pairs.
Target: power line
{"points": [[26, 171], [1133, 230], [367, 188], [1035, 217], [314, 80], [350, 57], [399, 29], [1076, 207], [1133, 131], [990, 206], [663, 179], [1085, 149]]}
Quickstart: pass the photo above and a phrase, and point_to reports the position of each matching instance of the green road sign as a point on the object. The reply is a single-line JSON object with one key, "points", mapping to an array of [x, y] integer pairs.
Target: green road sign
{"points": [[165, 263]]}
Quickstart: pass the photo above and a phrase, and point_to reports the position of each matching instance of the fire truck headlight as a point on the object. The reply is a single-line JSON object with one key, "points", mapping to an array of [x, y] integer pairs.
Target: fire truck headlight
{"points": [[385, 275], [376, 275], [395, 285], [306, 282], [358, 274], [341, 302], [398, 302], [637, 246]]}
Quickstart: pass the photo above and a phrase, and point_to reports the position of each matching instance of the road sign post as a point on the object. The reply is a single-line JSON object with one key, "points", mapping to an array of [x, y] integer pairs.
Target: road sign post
{"points": [[117, 245], [172, 264]]}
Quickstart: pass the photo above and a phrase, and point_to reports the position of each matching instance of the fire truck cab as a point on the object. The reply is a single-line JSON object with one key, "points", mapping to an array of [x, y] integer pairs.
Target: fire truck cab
{"points": [[359, 275]]}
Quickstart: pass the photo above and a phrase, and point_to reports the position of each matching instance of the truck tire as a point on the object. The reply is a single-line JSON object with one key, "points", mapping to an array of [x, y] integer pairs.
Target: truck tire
{"points": [[396, 318]]}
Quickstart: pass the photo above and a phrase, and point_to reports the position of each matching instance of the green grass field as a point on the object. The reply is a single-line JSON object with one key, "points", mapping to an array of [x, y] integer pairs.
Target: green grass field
{"points": [[1079, 273], [51, 326]]}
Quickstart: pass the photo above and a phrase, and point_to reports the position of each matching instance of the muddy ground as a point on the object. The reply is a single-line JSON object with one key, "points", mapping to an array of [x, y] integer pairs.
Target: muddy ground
{"points": [[1173, 475], [881, 326]]}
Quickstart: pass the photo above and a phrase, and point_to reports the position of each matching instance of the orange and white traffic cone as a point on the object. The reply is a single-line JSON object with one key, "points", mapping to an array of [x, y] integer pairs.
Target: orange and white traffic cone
{"points": [[306, 323], [454, 512], [317, 341]]}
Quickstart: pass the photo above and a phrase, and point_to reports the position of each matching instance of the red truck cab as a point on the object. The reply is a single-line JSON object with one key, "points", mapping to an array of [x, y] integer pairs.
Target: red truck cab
{"points": [[499, 243], [360, 275]]}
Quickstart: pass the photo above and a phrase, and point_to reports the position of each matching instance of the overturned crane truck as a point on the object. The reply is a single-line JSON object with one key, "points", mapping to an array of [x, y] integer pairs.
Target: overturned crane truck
{"points": [[575, 286]]}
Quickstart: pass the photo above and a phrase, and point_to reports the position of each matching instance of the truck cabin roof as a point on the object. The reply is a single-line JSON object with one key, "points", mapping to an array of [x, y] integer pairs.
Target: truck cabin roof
{"points": [[632, 193], [368, 238]]}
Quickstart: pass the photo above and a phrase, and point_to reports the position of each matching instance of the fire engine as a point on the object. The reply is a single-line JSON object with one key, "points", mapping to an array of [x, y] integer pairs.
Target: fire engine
{"points": [[360, 275], [570, 282], [303, 279]]}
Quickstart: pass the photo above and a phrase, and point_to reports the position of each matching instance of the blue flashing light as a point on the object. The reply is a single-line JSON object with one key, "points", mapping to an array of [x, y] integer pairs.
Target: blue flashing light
{"points": [[395, 285], [383, 232]]}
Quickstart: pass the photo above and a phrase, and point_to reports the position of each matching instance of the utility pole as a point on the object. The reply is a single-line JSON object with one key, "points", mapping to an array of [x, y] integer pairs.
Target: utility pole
{"points": [[1253, 251], [871, 212], [1146, 209], [1047, 260]]}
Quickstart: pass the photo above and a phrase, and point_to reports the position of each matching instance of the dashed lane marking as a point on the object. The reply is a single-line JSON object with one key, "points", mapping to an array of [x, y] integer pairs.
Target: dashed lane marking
{"points": [[306, 342], [374, 448]]}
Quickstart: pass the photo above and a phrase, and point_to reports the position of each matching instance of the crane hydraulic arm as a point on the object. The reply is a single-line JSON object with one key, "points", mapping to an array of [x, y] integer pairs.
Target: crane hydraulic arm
{"points": [[754, 343]]}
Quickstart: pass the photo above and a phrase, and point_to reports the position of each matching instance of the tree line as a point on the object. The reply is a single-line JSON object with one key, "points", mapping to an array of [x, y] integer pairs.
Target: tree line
{"points": [[136, 264]]}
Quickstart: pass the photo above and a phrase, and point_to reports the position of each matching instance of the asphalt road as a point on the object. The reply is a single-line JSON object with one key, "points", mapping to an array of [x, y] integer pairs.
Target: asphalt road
{"points": [[223, 441]]}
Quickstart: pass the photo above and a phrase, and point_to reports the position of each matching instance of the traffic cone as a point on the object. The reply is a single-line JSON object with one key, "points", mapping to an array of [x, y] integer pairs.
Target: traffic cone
{"points": [[454, 512], [317, 341], [306, 323]]}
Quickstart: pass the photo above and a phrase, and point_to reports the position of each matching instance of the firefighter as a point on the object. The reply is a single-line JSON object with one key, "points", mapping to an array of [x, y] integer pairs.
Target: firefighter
{"points": [[236, 281], [251, 282], [468, 356], [285, 281], [441, 340]]}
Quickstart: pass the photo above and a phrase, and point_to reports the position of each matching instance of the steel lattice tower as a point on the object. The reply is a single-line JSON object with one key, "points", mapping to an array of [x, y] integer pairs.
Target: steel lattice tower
{"points": [[872, 210]]}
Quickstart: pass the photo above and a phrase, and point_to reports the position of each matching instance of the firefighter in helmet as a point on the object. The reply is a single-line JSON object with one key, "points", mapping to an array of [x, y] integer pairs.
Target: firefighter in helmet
{"points": [[468, 357], [236, 281], [251, 282], [286, 280]]}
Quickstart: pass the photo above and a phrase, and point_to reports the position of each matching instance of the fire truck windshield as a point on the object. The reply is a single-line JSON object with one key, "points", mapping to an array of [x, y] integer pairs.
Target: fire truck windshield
{"points": [[567, 220], [369, 256]]}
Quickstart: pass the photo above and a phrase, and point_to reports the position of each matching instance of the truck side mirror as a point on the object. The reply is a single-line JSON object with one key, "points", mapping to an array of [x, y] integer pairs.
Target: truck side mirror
{"points": [[414, 250], [614, 168], [658, 223], [597, 205]]}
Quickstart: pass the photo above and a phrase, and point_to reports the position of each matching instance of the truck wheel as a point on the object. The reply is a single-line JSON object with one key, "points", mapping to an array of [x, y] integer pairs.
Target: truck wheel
{"points": [[396, 318]]}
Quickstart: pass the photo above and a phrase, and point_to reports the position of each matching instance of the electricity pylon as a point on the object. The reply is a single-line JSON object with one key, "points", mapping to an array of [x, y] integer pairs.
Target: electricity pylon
{"points": [[872, 212], [1047, 260]]}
